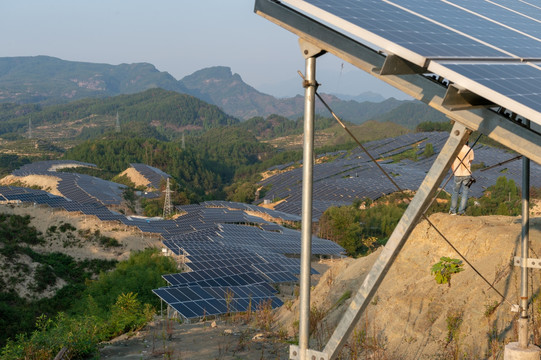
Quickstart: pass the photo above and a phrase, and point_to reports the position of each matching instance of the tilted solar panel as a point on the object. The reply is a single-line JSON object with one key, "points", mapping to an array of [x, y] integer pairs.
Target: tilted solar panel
{"points": [[396, 30], [429, 33]]}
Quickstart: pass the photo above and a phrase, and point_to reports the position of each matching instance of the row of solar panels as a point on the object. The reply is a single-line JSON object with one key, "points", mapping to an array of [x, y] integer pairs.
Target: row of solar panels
{"points": [[197, 302], [352, 177]]}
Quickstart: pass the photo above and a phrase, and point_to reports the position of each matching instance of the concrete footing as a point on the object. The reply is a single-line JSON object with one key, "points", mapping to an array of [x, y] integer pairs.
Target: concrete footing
{"points": [[514, 352]]}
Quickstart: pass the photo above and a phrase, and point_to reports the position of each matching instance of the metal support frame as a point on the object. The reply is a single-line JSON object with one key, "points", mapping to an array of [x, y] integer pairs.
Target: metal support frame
{"points": [[458, 98], [458, 137], [395, 65], [411, 81], [310, 53]]}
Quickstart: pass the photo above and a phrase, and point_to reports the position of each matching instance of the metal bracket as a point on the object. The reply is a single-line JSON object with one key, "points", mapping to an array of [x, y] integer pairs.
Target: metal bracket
{"points": [[459, 98], [294, 354], [395, 65], [530, 263], [310, 50]]}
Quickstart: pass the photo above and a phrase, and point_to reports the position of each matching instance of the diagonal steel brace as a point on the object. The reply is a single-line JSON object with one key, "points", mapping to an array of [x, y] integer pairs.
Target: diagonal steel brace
{"points": [[458, 137]]}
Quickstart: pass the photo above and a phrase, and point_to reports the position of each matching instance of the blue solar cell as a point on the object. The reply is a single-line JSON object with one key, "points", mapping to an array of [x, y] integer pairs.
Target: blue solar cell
{"points": [[222, 281], [515, 81], [518, 15], [178, 294], [171, 279], [208, 308], [220, 305], [183, 310], [165, 296], [405, 29], [482, 28], [194, 308], [202, 293]]}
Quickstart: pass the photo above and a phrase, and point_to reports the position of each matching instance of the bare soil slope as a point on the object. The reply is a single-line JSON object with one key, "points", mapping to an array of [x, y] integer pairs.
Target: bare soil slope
{"points": [[412, 317]]}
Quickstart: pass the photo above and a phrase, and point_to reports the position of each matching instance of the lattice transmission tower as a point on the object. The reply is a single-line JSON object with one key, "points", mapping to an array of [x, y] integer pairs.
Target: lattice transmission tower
{"points": [[167, 206]]}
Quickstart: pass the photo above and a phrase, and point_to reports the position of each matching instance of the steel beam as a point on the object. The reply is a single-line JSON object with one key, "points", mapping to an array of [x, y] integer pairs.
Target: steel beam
{"points": [[425, 89]]}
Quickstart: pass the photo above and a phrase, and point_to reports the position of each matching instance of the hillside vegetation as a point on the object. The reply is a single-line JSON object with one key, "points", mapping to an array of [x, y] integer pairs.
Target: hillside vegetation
{"points": [[167, 113]]}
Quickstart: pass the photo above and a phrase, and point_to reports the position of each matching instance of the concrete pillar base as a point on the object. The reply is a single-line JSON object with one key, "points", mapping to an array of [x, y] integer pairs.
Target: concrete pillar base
{"points": [[513, 352]]}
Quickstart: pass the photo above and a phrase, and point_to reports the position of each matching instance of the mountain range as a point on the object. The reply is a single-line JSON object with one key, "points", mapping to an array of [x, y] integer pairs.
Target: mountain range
{"points": [[47, 80]]}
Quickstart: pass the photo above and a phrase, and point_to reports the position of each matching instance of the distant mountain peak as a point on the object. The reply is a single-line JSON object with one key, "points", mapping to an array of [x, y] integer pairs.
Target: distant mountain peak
{"points": [[49, 80], [210, 75]]}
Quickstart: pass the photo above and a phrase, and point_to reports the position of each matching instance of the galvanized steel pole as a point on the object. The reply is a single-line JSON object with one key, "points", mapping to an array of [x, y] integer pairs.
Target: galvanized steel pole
{"points": [[307, 187], [523, 321]]}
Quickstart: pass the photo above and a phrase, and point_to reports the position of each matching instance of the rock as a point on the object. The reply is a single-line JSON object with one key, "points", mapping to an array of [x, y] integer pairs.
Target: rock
{"points": [[228, 332], [213, 325], [259, 336]]}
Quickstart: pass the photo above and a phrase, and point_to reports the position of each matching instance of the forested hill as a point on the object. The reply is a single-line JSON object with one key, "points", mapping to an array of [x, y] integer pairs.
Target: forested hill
{"points": [[227, 90], [410, 114], [49, 80], [167, 113]]}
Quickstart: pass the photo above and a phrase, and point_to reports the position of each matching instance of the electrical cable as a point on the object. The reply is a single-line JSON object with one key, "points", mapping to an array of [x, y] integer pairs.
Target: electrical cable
{"points": [[403, 192]]}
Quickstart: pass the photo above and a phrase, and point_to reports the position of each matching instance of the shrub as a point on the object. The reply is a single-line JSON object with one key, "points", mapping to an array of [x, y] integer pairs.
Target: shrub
{"points": [[445, 268]]}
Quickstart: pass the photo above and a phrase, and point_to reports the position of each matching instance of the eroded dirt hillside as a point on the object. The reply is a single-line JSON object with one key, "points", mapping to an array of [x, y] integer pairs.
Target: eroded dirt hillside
{"points": [[411, 316]]}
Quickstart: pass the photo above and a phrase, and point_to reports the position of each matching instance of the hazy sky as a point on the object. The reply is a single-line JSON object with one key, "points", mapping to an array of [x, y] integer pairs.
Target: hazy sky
{"points": [[177, 36]]}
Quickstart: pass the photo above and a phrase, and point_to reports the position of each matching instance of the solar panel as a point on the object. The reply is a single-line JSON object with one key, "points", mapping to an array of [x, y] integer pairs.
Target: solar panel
{"points": [[396, 30], [517, 82], [217, 300], [519, 15], [485, 29], [430, 33]]}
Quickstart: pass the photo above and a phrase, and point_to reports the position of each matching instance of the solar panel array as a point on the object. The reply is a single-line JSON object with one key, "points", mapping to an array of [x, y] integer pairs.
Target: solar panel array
{"points": [[348, 178], [77, 187], [230, 256], [353, 176], [491, 48], [198, 302]]}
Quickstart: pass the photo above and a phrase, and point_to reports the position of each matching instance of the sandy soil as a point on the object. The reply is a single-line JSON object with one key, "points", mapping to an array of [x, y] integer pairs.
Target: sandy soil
{"points": [[135, 177], [47, 183], [230, 339], [42, 218]]}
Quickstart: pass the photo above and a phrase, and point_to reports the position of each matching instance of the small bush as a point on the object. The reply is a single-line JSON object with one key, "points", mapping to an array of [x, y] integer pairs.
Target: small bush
{"points": [[445, 268], [66, 227], [44, 277], [108, 242]]}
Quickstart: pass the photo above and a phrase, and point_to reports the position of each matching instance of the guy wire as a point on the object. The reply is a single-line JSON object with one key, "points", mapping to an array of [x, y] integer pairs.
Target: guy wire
{"points": [[403, 192]]}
